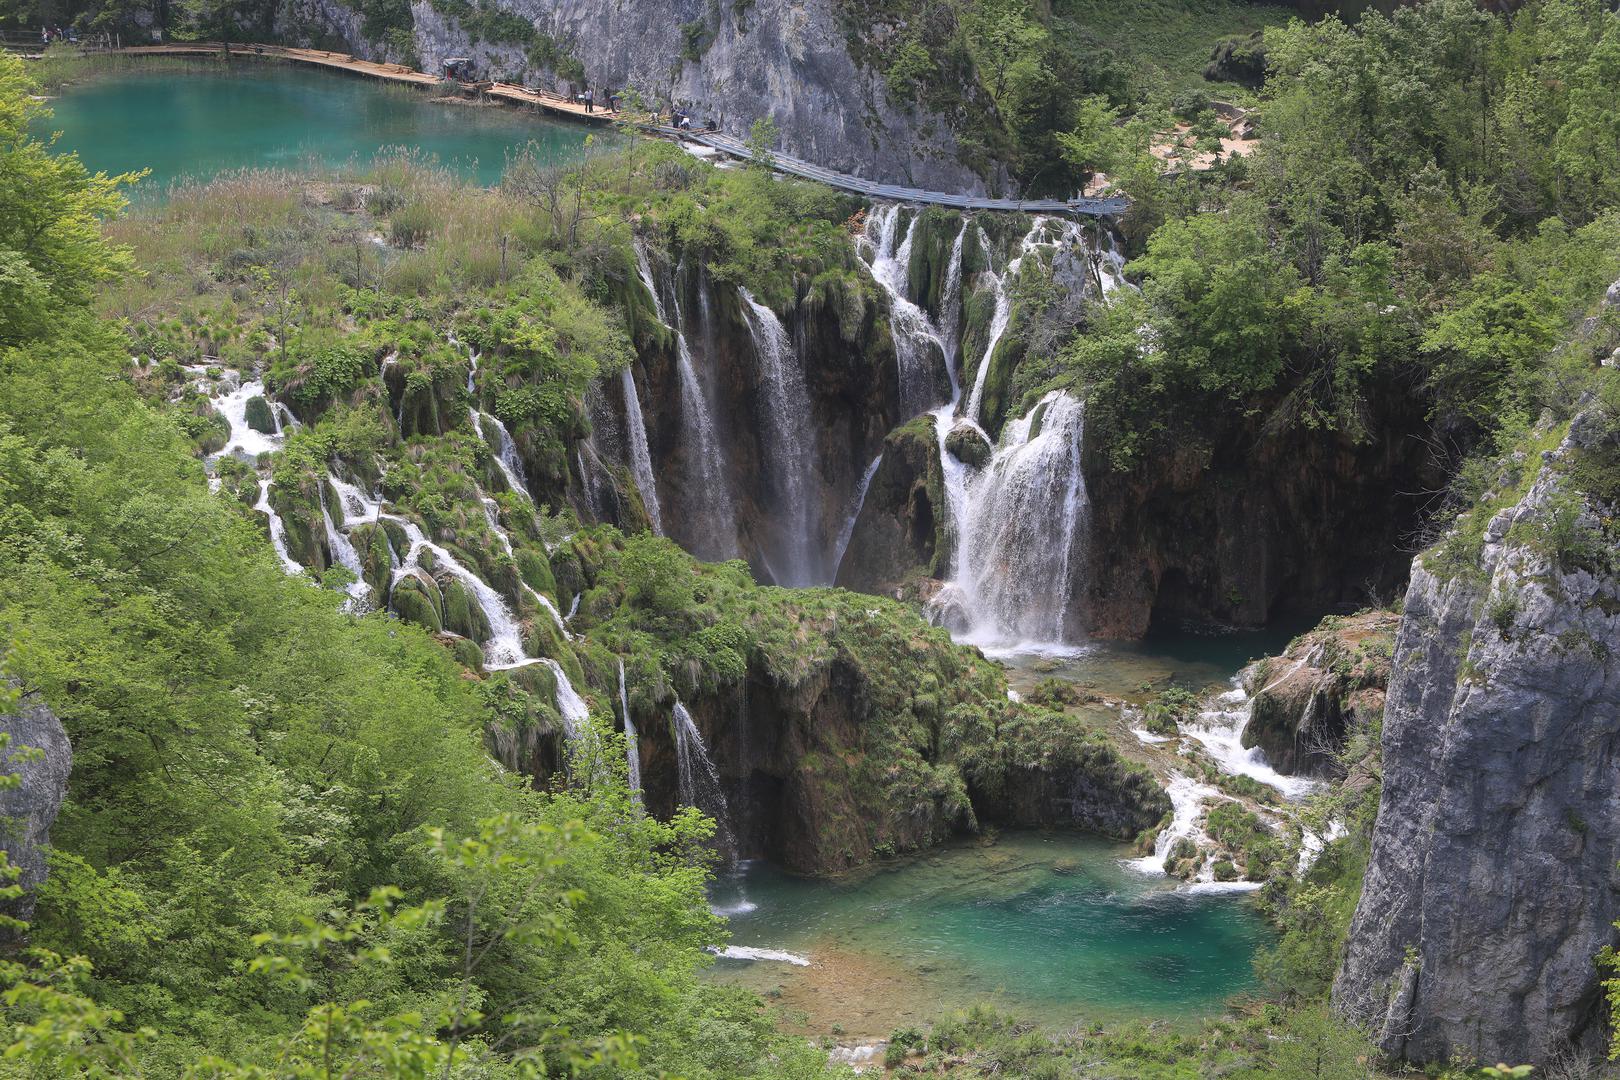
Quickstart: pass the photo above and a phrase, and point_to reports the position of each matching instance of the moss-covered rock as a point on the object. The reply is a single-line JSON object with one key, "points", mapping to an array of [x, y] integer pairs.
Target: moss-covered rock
{"points": [[969, 445], [416, 599], [462, 613], [259, 415]]}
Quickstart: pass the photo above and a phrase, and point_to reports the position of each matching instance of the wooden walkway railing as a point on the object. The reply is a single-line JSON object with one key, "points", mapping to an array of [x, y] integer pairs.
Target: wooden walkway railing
{"points": [[564, 106]]}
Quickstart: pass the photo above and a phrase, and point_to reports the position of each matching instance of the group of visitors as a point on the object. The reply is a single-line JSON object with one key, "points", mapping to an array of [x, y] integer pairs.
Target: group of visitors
{"points": [[55, 35], [587, 98], [682, 119]]}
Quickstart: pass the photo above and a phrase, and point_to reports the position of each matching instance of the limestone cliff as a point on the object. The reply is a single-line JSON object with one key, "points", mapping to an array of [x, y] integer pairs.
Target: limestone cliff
{"points": [[28, 809], [783, 60], [1492, 883]]}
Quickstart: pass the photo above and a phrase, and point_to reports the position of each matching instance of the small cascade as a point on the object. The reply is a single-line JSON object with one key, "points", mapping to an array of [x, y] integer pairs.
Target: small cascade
{"points": [[699, 781], [246, 441], [632, 743], [1017, 525], [1003, 284], [847, 529], [918, 344], [713, 510], [1187, 799], [790, 444], [950, 310], [278, 531], [344, 554], [570, 706], [1219, 730], [640, 456], [504, 649], [551, 609], [506, 453], [492, 516]]}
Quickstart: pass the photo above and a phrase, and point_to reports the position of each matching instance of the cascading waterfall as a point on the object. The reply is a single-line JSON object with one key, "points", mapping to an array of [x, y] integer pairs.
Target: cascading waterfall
{"points": [[570, 706], [1017, 524], [711, 494], [699, 782], [506, 453], [632, 743], [245, 441], [640, 456], [278, 531], [345, 555], [999, 320], [918, 344], [790, 445], [504, 649]]}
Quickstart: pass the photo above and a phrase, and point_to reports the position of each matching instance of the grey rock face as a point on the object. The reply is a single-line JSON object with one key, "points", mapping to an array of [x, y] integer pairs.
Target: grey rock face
{"points": [[28, 809], [783, 59], [1492, 882]]}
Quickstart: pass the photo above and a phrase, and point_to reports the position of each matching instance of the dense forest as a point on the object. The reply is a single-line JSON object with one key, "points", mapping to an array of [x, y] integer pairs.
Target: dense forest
{"points": [[318, 824]]}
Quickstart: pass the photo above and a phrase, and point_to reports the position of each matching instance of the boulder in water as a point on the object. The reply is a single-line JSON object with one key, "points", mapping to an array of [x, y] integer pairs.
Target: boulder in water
{"points": [[969, 445], [260, 417]]}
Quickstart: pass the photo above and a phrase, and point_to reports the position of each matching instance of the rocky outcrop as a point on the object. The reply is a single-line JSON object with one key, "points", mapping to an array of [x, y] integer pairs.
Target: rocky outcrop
{"points": [[28, 809], [1492, 882], [1326, 683], [897, 536], [787, 61]]}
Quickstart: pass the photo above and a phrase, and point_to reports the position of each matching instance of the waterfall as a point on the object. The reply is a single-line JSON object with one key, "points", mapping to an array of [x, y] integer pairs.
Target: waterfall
{"points": [[708, 489], [344, 554], [789, 444], [1187, 799], [699, 781], [506, 454], [632, 744], [504, 649], [278, 531], [640, 456], [570, 706], [1219, 730], [1016, 524], [556, 616], [1003, 283], [917, 342], [245, 441], [847, 529]]}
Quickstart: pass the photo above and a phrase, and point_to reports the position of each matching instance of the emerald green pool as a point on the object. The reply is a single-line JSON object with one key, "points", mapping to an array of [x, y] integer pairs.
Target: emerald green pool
{"points": [[1048, 926], [199, 119]]}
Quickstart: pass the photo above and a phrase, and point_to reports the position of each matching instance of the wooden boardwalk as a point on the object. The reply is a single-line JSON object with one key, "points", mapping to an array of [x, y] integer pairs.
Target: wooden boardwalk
{"points": [[560, 105], [726, 144]]}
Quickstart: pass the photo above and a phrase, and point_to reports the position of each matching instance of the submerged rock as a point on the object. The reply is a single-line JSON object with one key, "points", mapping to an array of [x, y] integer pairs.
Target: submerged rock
{"points": [[1491, 884]]}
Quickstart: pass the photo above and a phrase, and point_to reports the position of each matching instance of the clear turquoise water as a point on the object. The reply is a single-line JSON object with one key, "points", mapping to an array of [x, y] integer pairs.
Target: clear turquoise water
{"points": [[203, 119], [1048, 926]]}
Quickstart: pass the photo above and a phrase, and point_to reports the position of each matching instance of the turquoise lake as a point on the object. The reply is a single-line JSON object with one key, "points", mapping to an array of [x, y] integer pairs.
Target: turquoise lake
{"points": [[1050, 927], [199, 119]]}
